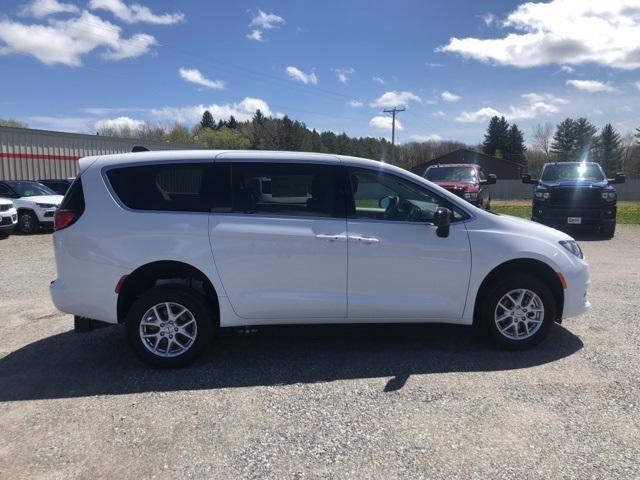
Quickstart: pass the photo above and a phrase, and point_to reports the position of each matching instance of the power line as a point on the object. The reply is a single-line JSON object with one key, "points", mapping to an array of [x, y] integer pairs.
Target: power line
{"points": [[393, 112]]}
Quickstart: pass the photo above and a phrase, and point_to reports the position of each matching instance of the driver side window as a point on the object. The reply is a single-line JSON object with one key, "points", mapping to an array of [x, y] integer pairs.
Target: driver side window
{"points": [[382, 196]]}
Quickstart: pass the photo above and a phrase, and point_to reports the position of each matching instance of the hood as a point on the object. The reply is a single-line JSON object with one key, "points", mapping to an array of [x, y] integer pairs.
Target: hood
{"points": [[574, 183], [457, 185], [530, 228], [5, 201], [52, 199]]}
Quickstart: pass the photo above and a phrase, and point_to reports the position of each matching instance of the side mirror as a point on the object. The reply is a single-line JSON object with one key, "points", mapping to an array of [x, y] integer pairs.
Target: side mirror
{"points": [[491, 179], [526, 178], [620, 178], [384, 202], [442, 220]]}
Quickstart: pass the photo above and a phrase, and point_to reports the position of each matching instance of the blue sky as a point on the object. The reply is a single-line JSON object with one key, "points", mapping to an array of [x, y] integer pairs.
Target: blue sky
{"points": [[71, 65]]}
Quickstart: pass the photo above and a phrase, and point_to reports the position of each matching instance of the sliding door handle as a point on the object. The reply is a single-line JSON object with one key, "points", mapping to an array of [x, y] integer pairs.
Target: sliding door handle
{"points": [[361, 239], [332, 237]]}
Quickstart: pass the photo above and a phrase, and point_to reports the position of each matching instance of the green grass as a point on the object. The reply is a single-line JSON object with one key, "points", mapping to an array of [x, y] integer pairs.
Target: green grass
{"points": [[628, 212]]}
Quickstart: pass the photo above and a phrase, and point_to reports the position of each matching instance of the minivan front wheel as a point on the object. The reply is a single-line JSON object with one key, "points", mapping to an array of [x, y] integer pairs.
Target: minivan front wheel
{"points": [[169, 326], [519, 311]]}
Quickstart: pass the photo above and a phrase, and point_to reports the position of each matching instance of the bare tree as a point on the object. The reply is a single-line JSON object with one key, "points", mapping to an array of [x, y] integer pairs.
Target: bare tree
{"points": [[542, 138]]}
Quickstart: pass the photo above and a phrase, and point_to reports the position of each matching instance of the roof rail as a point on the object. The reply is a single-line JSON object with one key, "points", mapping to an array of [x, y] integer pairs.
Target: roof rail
{"points": [[139, 148]]}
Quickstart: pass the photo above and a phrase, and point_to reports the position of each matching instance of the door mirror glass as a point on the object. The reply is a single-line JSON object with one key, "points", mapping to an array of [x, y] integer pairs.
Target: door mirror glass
{"points": [[442, 221]]}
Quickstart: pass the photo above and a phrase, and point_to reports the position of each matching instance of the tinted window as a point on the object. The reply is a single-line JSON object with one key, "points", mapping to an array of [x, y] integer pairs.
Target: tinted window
{"points": [[556, 172], [26, 188], [5, 191], [382, 196], [74, 198], [169, 187], [287, 189]]}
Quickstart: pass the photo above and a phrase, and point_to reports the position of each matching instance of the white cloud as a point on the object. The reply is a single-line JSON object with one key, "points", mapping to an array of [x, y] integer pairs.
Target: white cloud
{"points": [[537, 105], [567, 69], [591, 86], [343, 74], [241, 111], [481, 115], [434, 65], [298, 75], [569, 32], [62, 124], [44, 8], [266, 21], [195, 76], [255, 35], [637, 84], [395, 99], [450, 97], [488, 18], [66, 41], [135, 12], [597, 111], [439, 113], [110, 110], [384, 123], [378, 80], [355, 103], [433, 137], [118, 123]]}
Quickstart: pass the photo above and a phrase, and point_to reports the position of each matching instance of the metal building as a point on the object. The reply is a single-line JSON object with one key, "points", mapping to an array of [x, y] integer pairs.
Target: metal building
{"points": [[28, 154], [503, 168]]}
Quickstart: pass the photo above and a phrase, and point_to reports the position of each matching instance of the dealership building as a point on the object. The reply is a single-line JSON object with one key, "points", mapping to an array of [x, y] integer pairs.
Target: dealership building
{"points": [[28, 154]]}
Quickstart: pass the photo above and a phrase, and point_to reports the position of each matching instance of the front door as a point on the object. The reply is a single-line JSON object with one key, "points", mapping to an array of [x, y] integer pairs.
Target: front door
{"points": [[399, 269], [280, 247]]}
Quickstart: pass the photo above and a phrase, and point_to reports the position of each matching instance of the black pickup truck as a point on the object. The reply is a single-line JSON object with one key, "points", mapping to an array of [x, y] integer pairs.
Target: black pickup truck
{"points": [[575, 194]]}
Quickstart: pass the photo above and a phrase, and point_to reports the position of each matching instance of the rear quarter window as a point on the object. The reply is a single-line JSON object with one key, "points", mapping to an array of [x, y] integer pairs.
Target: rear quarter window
{"points": [[166, 187]]}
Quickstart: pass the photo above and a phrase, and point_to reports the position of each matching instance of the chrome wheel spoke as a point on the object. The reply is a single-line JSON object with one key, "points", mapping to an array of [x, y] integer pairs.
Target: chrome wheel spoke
{"points": [[519, 314]]}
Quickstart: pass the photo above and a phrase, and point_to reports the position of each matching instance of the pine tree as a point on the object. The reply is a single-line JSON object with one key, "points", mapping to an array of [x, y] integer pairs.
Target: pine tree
{"points": [[207, 120], [515, 145], [497, 137], [609, 150], [564, 142], [232, 123], [586, 139]]}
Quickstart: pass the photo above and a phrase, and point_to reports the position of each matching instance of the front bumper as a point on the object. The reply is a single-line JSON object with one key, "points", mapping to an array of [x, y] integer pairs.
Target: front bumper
{"points": [[560, 215], [575, 295], [8, 221]]}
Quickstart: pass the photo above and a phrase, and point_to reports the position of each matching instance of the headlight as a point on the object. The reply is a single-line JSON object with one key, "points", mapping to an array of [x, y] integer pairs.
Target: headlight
{"points": [[573, 247], [541, 195], [471, 195], [609, 196], [46, 205]]}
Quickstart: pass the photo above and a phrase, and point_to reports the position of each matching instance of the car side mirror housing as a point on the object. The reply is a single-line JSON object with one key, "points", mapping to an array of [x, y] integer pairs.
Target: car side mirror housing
{"points": [[491, 179], [442, 221], [619, 178], [526, 178]]}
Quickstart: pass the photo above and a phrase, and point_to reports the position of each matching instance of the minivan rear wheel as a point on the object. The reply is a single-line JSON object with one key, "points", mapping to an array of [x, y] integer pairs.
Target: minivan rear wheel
{"points": [[519, 311], [169, 326]]}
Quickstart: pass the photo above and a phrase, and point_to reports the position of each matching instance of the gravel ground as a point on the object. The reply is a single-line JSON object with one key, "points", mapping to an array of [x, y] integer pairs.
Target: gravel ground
{"points": [[329, 402]]}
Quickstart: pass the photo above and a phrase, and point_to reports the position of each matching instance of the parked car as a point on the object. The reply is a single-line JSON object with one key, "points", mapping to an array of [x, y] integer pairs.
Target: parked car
{"points": [[468, 181], [572, 194], [60, 186], [178, 244], [35, 203], [8, 217]]}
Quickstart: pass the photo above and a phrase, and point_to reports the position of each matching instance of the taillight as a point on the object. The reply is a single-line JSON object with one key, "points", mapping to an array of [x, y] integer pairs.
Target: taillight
{"points": [[63, 218]]}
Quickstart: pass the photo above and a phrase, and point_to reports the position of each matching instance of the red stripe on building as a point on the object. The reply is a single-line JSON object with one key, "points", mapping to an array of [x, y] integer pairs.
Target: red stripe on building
{"points": [[37, 156]]}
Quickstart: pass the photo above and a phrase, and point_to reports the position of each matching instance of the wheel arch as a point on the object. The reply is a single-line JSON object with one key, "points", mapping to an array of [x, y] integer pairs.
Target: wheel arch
{"points": [[534, 267], [165, 272]]}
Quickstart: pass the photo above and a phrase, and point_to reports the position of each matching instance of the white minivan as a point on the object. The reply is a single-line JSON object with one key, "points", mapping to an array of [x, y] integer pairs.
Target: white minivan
{"points": [[178, 244]]}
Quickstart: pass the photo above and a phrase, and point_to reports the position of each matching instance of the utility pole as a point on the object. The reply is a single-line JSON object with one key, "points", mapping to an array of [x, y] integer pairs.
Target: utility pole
{"points": [[393, 112]]}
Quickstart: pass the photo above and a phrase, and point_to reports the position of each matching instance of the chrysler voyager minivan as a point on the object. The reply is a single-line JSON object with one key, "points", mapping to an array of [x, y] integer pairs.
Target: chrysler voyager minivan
{"points": [[178, 244]]}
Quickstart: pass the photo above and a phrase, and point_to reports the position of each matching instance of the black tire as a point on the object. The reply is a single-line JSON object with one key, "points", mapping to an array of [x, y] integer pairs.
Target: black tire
{"points": [[498, 291], [28, 222], [173, 294], [608, 231]]}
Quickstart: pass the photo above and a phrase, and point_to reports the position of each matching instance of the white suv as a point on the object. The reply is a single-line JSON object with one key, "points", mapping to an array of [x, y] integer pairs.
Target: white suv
{"points": [[36, 203], [177, 244], [8, 217]]}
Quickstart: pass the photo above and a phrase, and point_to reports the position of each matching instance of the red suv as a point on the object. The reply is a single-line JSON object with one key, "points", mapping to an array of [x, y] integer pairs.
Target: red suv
{"points": [[468, 181]]}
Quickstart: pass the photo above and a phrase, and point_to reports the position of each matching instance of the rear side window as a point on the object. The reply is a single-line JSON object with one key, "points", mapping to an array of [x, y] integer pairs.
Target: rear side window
{"points": [[165, 187], [74, 198], [287, 189]]}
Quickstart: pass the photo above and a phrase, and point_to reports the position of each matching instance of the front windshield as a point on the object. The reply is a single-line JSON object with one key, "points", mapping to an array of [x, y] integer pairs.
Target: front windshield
{"points": [[30, 189], [451, 174], [558, 172]]}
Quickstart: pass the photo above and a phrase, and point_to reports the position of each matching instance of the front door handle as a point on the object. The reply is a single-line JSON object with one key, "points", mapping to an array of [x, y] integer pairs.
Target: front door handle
{"points": [[332, 237], [359, 238]]}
